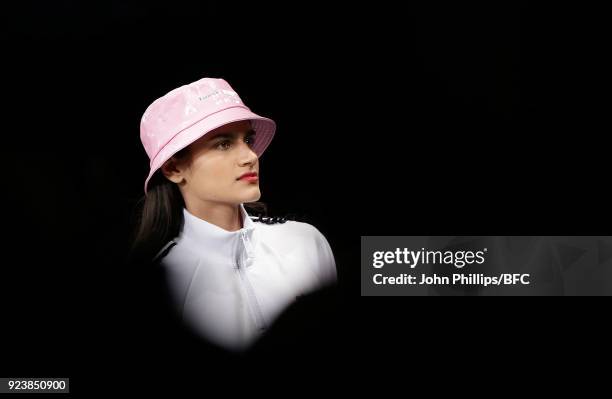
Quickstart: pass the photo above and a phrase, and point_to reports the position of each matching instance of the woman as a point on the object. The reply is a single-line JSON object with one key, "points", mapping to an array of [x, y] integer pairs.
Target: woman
{"points": [[229, 275]]}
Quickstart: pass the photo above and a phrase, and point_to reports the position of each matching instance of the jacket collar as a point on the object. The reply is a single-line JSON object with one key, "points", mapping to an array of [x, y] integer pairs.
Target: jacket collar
{"points": [[209, 236]]}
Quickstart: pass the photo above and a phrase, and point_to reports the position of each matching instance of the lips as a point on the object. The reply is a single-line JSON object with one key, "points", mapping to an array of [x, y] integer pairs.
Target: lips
{"points": [[247, 175]]}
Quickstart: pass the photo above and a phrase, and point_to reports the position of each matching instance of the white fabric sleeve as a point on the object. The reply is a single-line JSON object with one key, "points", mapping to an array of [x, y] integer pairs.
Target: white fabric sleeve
{"points": [[325, 259]]}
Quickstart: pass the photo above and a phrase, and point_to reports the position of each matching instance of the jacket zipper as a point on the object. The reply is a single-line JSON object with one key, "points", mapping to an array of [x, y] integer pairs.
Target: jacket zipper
{"points": [[254, 304]]}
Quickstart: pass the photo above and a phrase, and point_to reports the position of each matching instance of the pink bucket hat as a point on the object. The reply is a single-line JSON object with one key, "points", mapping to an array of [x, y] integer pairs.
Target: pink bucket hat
{"points": [[185, 114]]}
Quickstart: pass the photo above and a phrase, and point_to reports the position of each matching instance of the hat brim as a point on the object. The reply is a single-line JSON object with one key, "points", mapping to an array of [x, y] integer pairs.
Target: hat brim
{"points": [[264, 129]]}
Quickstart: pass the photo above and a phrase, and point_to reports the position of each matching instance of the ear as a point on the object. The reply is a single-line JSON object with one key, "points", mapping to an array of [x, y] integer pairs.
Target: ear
{"points": [[173, 171]]}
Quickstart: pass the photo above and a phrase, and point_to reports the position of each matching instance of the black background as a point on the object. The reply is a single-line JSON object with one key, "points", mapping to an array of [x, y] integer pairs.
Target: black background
{"points": [[391, 121]]}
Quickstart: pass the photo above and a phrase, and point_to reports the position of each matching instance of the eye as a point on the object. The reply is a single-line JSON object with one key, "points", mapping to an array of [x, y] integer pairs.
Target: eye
{"points": [[223, 145], [250, 140]]}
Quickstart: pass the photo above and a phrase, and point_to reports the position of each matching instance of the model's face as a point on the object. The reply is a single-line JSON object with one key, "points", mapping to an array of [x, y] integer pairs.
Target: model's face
{"points": [[214, 164]]}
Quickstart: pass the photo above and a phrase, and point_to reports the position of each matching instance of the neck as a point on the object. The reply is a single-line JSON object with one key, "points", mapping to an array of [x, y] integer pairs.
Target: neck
{"points": [[227, 216]]}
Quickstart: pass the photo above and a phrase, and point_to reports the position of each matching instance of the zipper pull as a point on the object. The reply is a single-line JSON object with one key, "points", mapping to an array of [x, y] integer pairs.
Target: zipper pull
{"points": [[247, 243]]}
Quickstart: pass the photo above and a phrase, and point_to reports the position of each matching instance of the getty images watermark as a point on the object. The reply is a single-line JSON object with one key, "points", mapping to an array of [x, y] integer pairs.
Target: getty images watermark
{"points": [[392, 262], [458, 259]]}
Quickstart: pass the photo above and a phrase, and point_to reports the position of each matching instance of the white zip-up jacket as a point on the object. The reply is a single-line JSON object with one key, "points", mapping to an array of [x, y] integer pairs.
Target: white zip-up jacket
{"points": [[230, 286]]}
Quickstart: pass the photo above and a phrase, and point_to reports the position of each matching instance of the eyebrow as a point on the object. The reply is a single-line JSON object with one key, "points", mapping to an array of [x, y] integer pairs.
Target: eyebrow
{"points": [[232, 135]]}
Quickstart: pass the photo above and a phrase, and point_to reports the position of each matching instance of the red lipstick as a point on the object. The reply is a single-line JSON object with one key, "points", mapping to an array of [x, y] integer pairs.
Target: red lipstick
{"points": [[249, 176]]}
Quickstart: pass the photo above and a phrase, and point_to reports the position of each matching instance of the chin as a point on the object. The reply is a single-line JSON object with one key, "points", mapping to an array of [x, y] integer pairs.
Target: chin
{"points": [[254, 195]]}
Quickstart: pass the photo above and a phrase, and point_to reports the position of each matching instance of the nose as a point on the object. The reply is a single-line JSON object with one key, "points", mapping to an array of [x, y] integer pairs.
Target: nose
{"points": [[247, 155]]}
